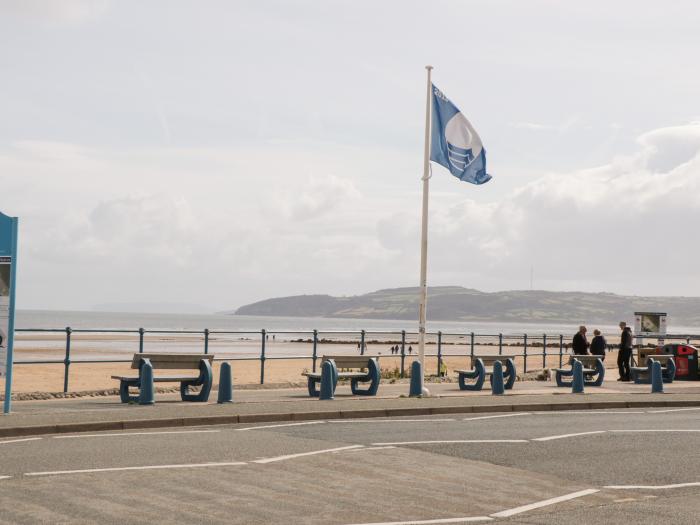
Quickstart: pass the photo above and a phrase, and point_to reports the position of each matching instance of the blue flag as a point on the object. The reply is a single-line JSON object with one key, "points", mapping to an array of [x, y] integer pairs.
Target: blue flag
{"points": [[455, 143]]}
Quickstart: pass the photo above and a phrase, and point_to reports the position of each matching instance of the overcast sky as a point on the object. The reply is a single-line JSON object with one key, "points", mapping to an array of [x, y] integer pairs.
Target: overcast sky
{"points": [[218, 153]]}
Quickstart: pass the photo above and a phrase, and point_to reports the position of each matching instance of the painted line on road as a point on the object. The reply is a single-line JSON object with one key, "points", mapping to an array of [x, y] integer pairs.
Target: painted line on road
{"points": [[119, 434], [367, 420], [5, 477], [145, 467], [658, 430], [653, 487], [370, 448], [563, 436], [282, 425], [589, 412], [470, 519], [448, 441], [19, 440], [498, 416], [303, 454], [543, 503], [671, 410]]}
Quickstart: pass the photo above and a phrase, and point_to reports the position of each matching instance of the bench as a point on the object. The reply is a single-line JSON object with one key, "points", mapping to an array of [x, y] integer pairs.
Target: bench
{"points": [[642, 374], [201, 362], [366, 369], [593, 371], [482, 366]]}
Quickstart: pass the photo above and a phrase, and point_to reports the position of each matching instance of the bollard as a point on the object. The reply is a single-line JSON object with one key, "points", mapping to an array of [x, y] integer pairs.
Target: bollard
{"points": [[225, 384], [497, 386], [327, 381], [577, 383], [146, 388], [657, 382], [416, 389]]}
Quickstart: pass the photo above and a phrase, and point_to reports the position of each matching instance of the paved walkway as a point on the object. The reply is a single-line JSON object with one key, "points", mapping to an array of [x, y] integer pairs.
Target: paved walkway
{"points": [[107, 413]]}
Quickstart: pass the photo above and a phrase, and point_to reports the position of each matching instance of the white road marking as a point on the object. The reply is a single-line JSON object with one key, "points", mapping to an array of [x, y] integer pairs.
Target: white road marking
{"points": [[19, 440], [671, 410], [283, 425], [370, 448], [397, 443], [499, 415], [118, 434], [5, 477], [369, 420], [659, 430], [303, 454], [544, 503], [652, 487], [470, 519], [563, 436], [145, 467]]}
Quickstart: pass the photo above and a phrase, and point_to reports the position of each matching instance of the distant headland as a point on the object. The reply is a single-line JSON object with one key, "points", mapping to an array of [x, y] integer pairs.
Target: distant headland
{"points": [[455, 303]]}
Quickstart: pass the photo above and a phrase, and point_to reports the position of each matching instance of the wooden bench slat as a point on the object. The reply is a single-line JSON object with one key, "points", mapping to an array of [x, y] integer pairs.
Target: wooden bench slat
{"points": [[172, 361]]}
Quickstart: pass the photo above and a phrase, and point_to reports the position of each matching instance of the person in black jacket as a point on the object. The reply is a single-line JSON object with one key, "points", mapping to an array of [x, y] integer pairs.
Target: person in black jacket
{"points": [[580, 343], [624, 355], [598, 345]]}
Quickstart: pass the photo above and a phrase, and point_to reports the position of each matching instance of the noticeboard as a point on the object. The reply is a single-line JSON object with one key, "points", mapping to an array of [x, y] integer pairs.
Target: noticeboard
{"points": [[650, 323], [8, 278]]}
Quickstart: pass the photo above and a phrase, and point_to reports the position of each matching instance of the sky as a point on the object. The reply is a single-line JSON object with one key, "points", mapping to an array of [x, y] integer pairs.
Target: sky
{"points": [[221, 152]]}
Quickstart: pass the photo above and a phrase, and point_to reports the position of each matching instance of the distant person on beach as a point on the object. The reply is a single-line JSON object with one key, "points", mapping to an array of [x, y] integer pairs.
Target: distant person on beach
{"points": [[624, 355], [598, 345], [410, 349], [580, 343]]}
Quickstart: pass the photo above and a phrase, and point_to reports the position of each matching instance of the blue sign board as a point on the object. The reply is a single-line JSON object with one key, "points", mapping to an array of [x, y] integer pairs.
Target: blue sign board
{"points": [[8, 277]]}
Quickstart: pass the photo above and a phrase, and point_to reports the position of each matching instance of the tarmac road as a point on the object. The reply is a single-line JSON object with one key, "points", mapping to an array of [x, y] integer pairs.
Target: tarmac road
{"points": [[556, 467]]}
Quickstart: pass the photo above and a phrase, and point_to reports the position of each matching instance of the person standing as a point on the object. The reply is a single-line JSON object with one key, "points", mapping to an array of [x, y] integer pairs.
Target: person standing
{"points": [[598, 345], [624, 355], [580, 343]]}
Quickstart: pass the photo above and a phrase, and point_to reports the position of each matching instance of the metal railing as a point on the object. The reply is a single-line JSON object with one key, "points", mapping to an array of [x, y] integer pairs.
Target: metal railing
{"points": [[522, 346]]}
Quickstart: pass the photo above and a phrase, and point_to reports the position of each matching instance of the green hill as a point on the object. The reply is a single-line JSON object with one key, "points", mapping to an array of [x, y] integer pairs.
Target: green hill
{"points": [[455, 303]]}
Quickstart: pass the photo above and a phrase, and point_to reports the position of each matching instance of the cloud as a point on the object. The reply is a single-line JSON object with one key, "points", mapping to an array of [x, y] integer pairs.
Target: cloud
{"points": [[60, 11], [318, 196]]}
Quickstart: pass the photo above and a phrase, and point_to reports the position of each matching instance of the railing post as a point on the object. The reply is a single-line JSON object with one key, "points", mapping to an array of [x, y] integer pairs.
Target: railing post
{"points": [[66, 360], [500, 344], [471, 344], [544, 351], [206, 340], [362, 342], [141, 332], [561, 350], [262, 356], [439, 353], [314, 355], [525, 354], [403, 352]]}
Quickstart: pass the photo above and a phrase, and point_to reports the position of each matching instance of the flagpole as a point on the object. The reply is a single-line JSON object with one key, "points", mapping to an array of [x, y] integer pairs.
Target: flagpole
{"points": [[424, 233]]}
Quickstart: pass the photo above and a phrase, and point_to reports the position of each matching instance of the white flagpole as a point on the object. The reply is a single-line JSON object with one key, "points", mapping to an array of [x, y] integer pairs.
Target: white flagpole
{"points": [[424, 231]]}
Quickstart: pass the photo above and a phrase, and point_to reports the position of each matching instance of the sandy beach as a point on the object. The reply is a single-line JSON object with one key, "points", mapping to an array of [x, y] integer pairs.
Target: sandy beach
{"points": [[285, 359]]}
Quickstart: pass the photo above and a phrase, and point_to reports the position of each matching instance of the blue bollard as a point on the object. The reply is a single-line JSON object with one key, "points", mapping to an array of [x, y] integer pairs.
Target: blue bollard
{"points": [[497, 386], [327, 381], [225, 384], [416, 389], [577, 383], [146, 387], [657, 380]]}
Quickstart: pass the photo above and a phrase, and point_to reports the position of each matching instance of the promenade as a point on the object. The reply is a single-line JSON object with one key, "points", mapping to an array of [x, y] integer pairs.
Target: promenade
{"points": [[537, 455]]}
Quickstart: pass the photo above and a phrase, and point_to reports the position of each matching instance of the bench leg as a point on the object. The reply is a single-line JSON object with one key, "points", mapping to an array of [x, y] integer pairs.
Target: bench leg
{"points": [[373, 375], [205, 379], [124, 392], [479, 373], [561, 374], [312, 384], [510, 374]]}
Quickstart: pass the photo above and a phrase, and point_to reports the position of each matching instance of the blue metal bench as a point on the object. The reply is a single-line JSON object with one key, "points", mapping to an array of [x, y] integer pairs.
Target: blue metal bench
{"points": [[642, 374], [366, 371], [593, 371], [201, 362], [482, 366]]}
